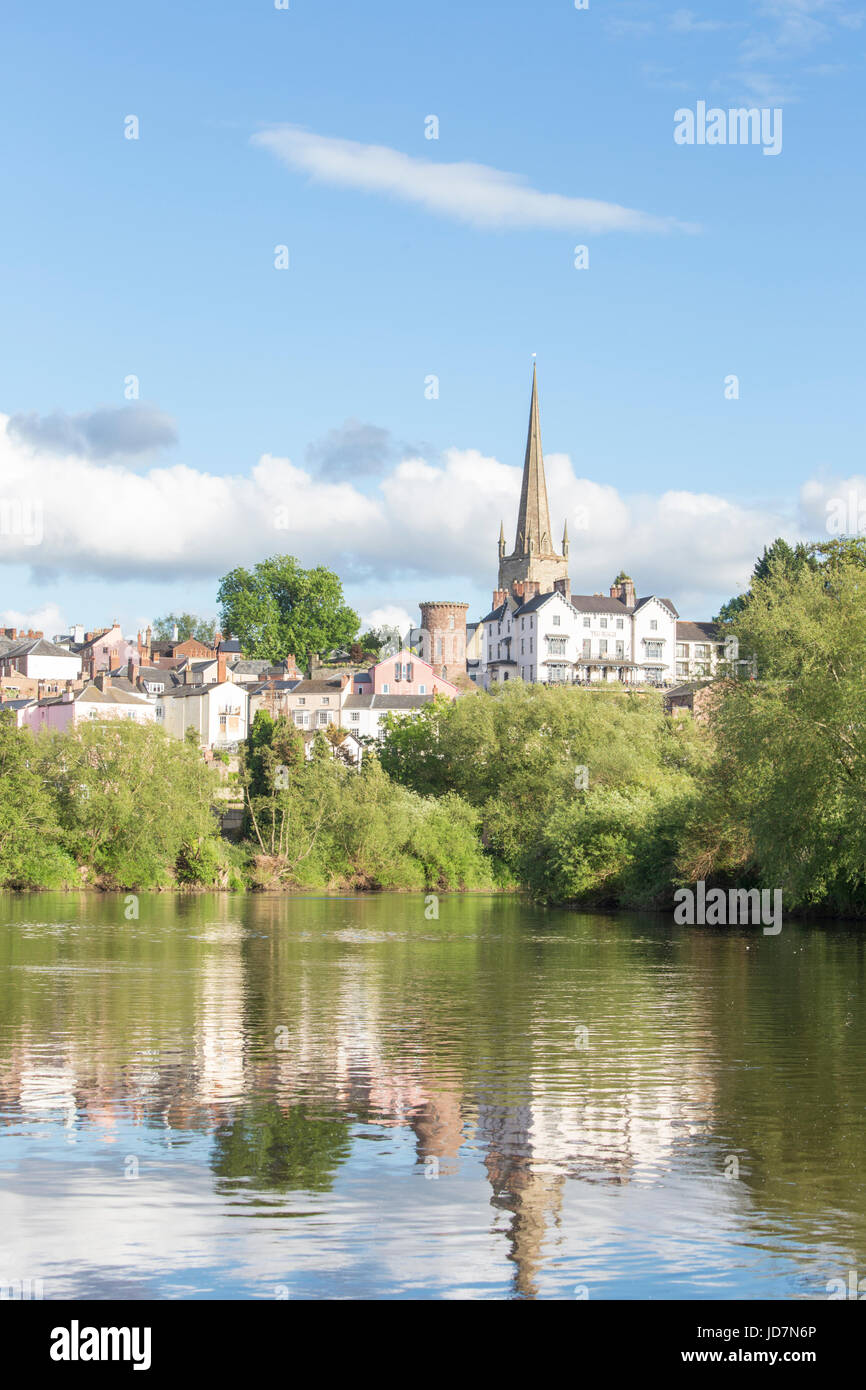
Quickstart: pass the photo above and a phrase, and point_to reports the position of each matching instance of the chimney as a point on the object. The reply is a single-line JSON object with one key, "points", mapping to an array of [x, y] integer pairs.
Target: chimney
{"points": [[130, 670], [221, 668], [40, 690], [67, 693], [174, 633], [499, 597], [103, 680], [563, 586], [187, 675]]}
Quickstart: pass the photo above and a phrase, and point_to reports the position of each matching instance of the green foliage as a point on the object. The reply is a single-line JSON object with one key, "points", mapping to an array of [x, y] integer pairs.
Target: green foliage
{"points": [[788, 782], [515, 755], [188, 625], [328, 824], [780, 556], [278, 607], [30, 853], [119, 801]]}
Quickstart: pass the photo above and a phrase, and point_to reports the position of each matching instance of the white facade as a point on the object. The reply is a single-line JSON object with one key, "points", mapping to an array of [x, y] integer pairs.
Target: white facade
{"points": [[556, 640], [217, 713], [363, 715]]}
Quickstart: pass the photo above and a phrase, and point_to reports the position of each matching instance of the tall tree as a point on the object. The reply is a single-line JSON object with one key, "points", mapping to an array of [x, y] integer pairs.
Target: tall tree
{"points": [[188, 625], [278, 607], [779, 556]]}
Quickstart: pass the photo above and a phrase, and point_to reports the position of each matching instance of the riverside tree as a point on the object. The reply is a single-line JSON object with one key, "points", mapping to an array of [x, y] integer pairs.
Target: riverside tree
{"points": [[278, 607]]}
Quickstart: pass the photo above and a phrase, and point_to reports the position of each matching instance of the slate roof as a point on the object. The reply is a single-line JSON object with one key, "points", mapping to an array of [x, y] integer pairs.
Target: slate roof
{"points": [[600, 603], [183, 692], [697, 632], [319, 687], [496, 614], [38, 646], [641, 603], [395, 702]]}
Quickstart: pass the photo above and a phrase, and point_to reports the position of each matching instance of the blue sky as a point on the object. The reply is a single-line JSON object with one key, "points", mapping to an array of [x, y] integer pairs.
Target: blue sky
{"points": [[306, 128]]}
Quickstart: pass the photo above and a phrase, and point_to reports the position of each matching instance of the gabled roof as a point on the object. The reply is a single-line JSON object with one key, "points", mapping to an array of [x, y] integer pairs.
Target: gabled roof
{"points": [[91, 694], [38, 646], [642, 602], [533, 604], [496, 614]]}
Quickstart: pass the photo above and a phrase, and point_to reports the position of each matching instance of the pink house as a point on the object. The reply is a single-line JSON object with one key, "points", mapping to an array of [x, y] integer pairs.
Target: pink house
{"points": [[402, 674], [101, 700], [106, 651]]}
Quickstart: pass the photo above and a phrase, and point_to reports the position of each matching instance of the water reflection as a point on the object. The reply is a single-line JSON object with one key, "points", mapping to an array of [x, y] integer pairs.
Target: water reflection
{"points": [[339, 1096]]}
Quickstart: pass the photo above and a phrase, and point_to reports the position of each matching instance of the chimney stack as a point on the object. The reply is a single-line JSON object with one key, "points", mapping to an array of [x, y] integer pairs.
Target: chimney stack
{"points": [[499, 597], [103, 680], [40, 690], [130, 670], [563, 586], [221, 668]]}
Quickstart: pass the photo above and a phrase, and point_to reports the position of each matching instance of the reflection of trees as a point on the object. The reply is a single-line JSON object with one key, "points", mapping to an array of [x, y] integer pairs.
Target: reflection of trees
{"points": [[281, 1150]]}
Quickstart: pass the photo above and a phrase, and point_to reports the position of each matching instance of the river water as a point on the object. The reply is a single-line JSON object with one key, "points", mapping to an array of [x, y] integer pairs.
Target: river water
{"points": [[292, 1097]]}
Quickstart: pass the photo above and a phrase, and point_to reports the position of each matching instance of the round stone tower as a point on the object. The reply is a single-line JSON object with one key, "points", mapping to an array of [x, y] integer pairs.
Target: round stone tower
{"points": [[443, 637]]}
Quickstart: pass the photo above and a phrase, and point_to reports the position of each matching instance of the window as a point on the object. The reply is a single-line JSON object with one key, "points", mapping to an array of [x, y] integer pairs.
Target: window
{"points": [[619, 622], [322, 718], [522, 646], [587, 647], [408, 670], [422, 690], [654, 627], [682, 649], [602, 646], [654, 649], [355, 716], [451, 620], [490, 653], [530, 644], [301, 700], [302, 719], [586, 622], [702, 651], [326, 699], [386, 689], [556, 622], [557, 646], [620, 649], [682, 668], [602, 622]]}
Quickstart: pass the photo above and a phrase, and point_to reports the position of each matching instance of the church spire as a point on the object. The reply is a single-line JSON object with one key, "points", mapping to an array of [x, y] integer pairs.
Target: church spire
{"points": [[533, 519]]}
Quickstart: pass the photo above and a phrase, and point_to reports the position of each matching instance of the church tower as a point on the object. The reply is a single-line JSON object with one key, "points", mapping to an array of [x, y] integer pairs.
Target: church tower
{"points": [[534, 566]]}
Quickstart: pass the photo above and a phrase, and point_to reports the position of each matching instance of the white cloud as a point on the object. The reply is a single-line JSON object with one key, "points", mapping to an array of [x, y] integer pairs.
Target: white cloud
{"points": [[47, 619], [471, 193], [390, 615], [425, 527]]}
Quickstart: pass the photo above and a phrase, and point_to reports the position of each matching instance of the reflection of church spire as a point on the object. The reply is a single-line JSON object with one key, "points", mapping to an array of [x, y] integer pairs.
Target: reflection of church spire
{"points": [[533, 519], [530, 1196]]}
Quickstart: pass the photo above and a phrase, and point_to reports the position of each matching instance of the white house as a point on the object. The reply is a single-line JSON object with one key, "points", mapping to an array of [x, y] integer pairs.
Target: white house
{"points": [[559, 638], [41, 659], [217, 712], [363, 715]]}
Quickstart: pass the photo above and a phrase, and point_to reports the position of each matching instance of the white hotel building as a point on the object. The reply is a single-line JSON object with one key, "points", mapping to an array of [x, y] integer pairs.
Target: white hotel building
{"points": [[538, 631]]}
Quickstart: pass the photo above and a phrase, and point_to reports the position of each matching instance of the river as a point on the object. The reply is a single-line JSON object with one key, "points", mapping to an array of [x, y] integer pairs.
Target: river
{"points": [[303, 1097]]}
